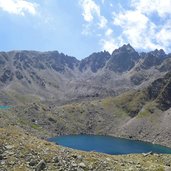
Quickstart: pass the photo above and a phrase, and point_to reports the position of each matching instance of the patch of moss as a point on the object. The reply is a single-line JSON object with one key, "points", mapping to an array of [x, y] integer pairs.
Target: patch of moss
{"points": [[148, 109], [35, 126], [23, 99], [160, 169]]}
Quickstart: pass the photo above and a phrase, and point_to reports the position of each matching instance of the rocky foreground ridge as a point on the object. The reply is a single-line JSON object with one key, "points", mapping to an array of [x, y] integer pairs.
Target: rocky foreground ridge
{"points": [[20, 151]]}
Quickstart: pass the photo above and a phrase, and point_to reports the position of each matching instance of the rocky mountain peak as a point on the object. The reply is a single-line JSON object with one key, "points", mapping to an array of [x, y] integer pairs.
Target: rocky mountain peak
{"points": [[128, 47], [158, 53], [123, 59], [153, 58], [95, 61], [125, 48]]}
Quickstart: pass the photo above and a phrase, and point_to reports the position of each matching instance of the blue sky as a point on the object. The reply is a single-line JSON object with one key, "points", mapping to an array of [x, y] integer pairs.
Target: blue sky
{"points": [[80, 27]]}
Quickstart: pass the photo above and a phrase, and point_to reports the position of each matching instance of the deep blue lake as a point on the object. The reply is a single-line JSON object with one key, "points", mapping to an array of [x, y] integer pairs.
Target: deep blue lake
{"points": [[108, 144]]}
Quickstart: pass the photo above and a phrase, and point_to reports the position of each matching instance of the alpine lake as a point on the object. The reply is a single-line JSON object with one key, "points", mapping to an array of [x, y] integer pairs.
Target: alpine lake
{"points": [[108, 144]]}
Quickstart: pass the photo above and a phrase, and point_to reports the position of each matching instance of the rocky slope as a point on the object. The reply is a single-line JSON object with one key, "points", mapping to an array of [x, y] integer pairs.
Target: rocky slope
{"points": [[20, 151], [139, 114]]}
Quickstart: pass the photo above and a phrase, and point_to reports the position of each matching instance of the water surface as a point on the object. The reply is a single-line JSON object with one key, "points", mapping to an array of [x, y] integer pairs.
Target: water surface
{"points": [[4, 107], [108, 144]]}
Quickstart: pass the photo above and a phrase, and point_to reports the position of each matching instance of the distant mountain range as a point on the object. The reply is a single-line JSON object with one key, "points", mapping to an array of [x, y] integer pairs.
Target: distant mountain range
{"points": [[55, 76]]}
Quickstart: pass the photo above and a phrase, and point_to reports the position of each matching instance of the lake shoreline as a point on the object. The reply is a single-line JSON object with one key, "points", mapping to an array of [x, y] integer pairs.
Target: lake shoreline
{"points": [[112, 136], [108, 144], [57, 157]]}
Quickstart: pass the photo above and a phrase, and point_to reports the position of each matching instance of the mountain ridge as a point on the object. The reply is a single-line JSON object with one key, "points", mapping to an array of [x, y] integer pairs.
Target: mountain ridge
{"points": [[53, 75]]}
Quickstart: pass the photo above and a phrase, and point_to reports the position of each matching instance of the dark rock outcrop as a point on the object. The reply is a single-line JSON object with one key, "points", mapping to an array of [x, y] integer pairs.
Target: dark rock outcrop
{"points": [[160, 90], [95, 61], [123, 59]]}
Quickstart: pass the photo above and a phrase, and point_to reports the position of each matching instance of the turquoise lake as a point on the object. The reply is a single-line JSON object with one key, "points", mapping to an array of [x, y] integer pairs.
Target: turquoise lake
{"points": [[4, 107], [108, 144]]}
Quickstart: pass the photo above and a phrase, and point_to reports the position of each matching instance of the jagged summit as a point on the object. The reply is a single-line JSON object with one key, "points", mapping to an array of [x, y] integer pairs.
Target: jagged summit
{"points": [[158, 53], [127, 47], [124, 48], [123, 59], [95, 61]]}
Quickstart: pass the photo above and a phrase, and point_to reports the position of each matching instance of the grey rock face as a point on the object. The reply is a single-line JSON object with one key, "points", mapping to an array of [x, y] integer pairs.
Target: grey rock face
{"points": [[123, 59], [40, 166], [95, 61]]}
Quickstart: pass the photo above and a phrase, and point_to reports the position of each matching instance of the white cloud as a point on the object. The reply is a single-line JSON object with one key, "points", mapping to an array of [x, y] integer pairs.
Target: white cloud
{"points": [[108, 32], [111, 5], [87, 30], [164, 35], [103, 1], [91, 12], [161, 7], [135, 27], [108, 45], [130, 18], [108, 41], [97, 25], [18, 7], [146, 24], [138, 29], [89, 9], [103, 22]]}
